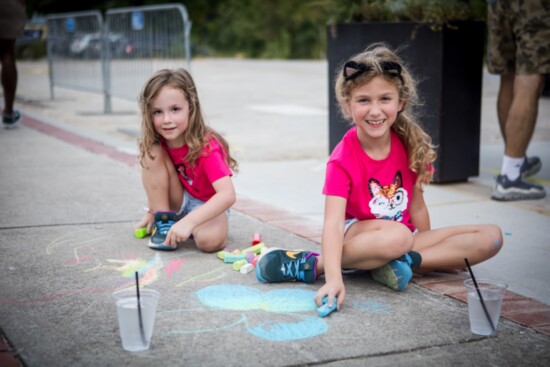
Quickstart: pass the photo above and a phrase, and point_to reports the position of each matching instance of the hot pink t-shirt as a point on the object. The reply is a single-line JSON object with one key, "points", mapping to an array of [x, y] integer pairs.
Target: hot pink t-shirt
{"points": [[374, 189], [209, 168]]}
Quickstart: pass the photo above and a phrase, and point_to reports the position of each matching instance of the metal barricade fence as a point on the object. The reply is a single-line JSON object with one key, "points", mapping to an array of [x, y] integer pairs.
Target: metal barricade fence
{"points": [[74, 51], [155, 37], [116, 57]]}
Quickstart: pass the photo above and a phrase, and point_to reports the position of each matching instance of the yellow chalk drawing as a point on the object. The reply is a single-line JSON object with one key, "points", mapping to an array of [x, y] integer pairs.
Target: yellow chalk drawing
{"points": [[131, 266], [52, 245], [206, 277]]}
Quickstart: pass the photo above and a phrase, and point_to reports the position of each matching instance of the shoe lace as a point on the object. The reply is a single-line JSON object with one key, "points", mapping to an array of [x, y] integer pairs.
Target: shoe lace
{"points": [[164, 227], [294, 268]]}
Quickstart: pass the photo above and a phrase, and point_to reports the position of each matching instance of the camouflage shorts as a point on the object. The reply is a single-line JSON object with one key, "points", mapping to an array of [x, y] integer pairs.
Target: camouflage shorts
{"points": [[519, 36]]}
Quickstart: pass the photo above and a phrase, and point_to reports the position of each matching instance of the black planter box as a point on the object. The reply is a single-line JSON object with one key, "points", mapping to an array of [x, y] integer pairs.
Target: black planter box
{"points": [[449, 67]]}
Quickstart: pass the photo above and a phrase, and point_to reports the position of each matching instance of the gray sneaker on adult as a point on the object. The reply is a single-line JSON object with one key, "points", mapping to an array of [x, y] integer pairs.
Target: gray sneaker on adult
{"points": [[507, 190], [530, 167]]}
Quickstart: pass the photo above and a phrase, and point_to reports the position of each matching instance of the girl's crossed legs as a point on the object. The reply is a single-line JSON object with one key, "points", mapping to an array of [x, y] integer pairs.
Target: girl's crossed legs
{"points": [[370, 244]]}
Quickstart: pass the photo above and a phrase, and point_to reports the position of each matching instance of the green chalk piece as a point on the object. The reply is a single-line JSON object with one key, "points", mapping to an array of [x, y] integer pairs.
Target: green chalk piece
{"points": [[248, 249], [256, 248], [231, 258], [141, 232], [222, 254], [237, 265]]}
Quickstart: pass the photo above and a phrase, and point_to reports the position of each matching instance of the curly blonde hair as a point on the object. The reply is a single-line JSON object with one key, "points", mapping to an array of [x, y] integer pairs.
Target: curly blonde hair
{"points": [[196, 136], [421, 151]]}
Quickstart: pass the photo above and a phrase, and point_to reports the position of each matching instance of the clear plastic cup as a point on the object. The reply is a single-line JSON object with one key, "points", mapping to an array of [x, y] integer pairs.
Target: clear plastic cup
{"points": [[134, 337], [492, 292]]}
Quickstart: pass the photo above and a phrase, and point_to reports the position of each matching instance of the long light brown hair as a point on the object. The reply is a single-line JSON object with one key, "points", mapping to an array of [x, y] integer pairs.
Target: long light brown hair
{"points": [[421, 152], [197, 134]]}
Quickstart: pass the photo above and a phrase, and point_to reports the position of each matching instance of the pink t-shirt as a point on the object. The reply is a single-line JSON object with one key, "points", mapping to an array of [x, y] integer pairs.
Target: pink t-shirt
{"points": [[209, 168], [374, 189]]}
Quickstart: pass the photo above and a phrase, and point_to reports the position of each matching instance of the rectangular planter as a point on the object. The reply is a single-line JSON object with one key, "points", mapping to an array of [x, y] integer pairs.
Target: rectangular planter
{"points": [[449, 67]]}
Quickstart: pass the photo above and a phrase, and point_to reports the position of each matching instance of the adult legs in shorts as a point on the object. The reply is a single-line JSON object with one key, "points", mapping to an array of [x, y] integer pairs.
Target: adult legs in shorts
{"points": [[517, 51]]}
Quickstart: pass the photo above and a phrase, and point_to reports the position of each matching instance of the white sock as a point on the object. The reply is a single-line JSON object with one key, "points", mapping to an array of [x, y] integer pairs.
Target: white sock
{"points": [[511, 167]]}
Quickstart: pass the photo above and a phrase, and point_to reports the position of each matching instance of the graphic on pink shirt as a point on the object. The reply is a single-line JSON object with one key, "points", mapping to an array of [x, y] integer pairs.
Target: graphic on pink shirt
{"points": [[210, 166], [373, 188], [183, 173], [390, 201]]}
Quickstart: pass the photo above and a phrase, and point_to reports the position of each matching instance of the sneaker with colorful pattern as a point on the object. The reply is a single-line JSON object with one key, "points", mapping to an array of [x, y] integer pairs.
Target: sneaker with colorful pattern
{"points": [[278, 265], [163, 222]]}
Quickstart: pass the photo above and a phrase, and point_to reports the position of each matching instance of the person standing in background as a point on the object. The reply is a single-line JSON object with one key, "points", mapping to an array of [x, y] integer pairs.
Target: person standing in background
{"points": [[12, 25], [519, 50]]}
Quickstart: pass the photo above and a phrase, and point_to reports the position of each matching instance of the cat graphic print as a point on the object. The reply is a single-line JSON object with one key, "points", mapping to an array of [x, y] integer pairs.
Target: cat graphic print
{"points": [[390, 201]]}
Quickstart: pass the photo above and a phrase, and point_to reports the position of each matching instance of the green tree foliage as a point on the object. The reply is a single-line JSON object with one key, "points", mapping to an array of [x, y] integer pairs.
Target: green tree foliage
{"points": [[268, 29], [286, 29]]}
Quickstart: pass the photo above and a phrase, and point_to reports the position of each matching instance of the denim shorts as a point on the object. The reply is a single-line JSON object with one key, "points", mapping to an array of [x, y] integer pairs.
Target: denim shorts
{"points": [[191, 203], [348, 223]]}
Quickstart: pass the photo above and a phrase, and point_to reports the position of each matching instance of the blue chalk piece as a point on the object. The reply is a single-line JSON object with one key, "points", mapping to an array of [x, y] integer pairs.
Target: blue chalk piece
{"points": [[231, 258], [325, 310]]}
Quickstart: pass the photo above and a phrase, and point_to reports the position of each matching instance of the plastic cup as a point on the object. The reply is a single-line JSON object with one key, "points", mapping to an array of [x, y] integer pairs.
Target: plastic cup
{"points": [[133, 339], [492, 292]]}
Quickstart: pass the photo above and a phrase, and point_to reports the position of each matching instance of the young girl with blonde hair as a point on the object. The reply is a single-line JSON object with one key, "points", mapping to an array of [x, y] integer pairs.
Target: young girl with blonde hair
{"points": [[375, 215], [186, 166]]}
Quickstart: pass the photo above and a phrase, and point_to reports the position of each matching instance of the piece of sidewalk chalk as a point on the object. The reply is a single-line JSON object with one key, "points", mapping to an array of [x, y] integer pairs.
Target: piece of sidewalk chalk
{"points": [[250, 256], [237, 265], [325, 310], [246, 268], [221, 254], [141, 232], [256, 239], [256, 249], [231, 258]]}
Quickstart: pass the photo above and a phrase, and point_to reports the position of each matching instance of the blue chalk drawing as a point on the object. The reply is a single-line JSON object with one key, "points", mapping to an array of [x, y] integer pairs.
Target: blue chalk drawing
{"points": [[280, 301], [295, 309], [308, 327], [241, 298]]}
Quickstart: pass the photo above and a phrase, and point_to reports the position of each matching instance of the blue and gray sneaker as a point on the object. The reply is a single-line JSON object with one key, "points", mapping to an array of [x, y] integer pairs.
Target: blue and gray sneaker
{"points": [[277, 265], [163, 222], [10, 121], [530, 167], [397, 273]]}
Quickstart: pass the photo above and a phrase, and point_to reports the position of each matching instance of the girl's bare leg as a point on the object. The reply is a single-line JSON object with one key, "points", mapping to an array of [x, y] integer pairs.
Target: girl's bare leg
{"points": [[445, 249], [161, 183], [211, 236]]}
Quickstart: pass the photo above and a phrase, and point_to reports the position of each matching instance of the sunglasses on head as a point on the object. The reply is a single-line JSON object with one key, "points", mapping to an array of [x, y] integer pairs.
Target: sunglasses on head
{"points": [[353, 69]]}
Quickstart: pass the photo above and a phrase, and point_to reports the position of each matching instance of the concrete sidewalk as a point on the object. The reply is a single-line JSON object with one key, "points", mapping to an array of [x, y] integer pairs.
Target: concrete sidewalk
{"points": [[71, 192]]}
